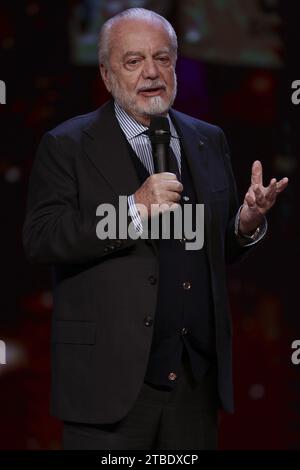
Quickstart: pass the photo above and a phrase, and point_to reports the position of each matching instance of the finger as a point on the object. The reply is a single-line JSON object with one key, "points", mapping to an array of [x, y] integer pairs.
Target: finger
{"points": [[250, 201], [168, 206], [171, 196], [257, 173], [167, 175], [271, 190], [173, 185], [282, 184], [259, 196], [174, 206], [251, 192]]}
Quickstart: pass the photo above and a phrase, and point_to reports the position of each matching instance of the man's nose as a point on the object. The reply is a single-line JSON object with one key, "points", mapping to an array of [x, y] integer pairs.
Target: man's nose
{"points": [[150, 69]]}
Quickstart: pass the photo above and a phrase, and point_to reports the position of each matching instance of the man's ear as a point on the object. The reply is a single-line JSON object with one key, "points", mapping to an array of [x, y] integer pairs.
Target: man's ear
{"points": [[105, 77]]}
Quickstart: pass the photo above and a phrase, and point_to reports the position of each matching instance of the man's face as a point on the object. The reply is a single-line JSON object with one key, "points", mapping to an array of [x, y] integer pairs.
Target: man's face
{"points": [[141, 73]]}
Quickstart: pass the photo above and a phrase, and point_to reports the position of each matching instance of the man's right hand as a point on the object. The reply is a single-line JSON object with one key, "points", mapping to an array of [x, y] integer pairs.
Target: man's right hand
{"points": [[159, 188]]}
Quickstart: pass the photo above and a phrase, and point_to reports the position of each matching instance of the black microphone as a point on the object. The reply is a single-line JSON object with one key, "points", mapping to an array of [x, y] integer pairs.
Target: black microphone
{"points": [[160, 136]]}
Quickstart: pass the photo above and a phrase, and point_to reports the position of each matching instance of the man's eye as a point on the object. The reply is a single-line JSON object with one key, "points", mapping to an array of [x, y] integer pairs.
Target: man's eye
{"points": [[133, 62], [164, 60]]}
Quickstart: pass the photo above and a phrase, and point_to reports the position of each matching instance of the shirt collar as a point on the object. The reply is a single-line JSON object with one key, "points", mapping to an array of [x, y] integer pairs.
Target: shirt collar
{"points": [[133, 128]]}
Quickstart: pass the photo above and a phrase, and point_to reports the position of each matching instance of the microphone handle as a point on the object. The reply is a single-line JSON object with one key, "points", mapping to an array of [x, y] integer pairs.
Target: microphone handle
{"points": [[160, 158]]}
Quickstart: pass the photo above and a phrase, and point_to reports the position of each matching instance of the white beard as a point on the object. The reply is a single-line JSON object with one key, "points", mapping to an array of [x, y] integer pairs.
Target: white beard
{"points": [[155, 104]]}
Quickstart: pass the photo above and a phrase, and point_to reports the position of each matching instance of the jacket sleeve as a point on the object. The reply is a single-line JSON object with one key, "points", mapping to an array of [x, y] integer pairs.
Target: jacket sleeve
{"points": [[56, 230], [234, 250]]}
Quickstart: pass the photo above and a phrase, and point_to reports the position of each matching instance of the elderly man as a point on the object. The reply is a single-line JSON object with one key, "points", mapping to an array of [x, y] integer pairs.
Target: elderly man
{"points": [[141, 334]]}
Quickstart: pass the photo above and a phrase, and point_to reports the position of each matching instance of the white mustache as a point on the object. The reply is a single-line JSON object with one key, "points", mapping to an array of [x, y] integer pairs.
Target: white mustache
{"points": [[152, 86]]}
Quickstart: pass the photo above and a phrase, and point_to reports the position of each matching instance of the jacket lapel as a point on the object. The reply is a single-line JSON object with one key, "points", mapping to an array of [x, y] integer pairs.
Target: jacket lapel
{"points": [[106, 147], [196, 150]]}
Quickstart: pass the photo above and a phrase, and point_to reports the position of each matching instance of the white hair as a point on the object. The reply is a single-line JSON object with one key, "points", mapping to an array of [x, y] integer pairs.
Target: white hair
{"points": [[131, 13]]}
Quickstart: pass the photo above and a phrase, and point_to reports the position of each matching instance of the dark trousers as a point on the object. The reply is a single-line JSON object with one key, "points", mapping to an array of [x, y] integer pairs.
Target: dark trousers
{"points": [[160, 419]]}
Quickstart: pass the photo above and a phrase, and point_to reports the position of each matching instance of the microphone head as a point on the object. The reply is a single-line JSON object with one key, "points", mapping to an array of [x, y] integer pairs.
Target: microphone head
{"points": [[159, 130]]}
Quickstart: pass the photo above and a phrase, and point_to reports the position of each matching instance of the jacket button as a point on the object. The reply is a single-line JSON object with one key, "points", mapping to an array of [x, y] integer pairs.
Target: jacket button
{"points": [[118, 243], [172, 376], [148, 320], [152, 279], [186, 285], [106, 249]]}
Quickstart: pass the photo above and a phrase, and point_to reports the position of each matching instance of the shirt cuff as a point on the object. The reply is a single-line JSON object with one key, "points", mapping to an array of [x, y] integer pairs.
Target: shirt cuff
{"points": [[134, 214], [247, 240]]}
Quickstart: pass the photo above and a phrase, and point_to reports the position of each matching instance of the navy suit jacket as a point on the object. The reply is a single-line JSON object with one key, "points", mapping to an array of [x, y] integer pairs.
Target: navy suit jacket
{"points": [[103, 293]]}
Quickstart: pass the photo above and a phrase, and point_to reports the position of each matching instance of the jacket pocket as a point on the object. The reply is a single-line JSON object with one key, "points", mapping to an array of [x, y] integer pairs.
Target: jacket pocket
{"points": [[73, 332]]}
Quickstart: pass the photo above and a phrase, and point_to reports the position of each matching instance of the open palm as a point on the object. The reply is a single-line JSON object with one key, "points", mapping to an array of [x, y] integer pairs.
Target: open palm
{"points": [[259, 199]]}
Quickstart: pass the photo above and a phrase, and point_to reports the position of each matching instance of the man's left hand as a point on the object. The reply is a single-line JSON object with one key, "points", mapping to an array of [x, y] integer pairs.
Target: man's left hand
{"points": [[258, 199]]}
